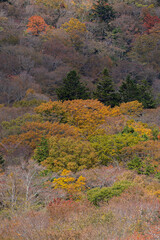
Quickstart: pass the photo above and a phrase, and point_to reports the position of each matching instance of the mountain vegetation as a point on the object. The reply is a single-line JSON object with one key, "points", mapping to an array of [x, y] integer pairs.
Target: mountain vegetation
{"points": [[79, 120]]}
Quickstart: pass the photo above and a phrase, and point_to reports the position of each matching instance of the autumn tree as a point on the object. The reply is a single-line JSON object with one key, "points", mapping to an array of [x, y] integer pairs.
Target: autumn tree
{"points": [[87, 115], [36, 25], [70, 184], [68, 153], [109, 147], [150, 21], [72, 88], [76, 31], [132, 109], [105, 92]]}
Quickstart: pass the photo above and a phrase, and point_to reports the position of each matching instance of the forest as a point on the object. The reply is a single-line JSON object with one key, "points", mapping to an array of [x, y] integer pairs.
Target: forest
{"points": [[79, 120]]}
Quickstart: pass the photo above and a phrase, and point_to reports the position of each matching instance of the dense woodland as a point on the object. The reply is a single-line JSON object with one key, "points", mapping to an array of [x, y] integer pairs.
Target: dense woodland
{"points": [[79, 120]]}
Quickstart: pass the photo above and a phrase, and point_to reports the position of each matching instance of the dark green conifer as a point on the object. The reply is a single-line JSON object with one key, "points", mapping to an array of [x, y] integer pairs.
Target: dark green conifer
{"points": [[145, 95], [72, 88], [128, 90], [105, 91], [131, 91]]}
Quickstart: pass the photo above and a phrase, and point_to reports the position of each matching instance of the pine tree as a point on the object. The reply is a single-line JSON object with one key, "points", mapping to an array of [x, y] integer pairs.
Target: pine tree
{"points": [[145, 95], [72, 88], [128, 90], [131, 91], [105, 92]]}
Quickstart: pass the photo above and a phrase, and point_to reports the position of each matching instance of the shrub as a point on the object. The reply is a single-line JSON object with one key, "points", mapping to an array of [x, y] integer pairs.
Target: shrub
{"points": [[109, 147], [30, 103], [96, 195], [142, 167]]}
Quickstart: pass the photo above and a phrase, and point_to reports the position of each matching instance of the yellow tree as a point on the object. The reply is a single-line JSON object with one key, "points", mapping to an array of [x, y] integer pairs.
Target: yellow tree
{"points": [[87, 115], [132, 109], [68, 153], [76, 31], [70, 184]]}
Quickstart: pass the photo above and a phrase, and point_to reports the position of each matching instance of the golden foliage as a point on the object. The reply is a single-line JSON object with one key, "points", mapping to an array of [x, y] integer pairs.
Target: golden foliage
{"points": [[87, 115], [76, 30], [71, 154], [132, 109], [141, 128], [70, 184]]}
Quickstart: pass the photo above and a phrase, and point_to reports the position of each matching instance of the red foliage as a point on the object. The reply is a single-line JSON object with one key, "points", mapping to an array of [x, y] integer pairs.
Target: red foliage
{"points": [[150, 21], [61, 208]]}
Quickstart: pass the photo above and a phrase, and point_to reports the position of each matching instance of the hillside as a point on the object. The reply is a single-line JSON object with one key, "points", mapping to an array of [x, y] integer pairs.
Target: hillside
{"points": [[79, 120]]}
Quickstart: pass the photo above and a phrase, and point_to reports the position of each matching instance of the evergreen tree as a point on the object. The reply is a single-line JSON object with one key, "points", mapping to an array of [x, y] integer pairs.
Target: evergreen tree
{"points": [[128, 90], [1, 160], [105, 91], [145, 95], [103, 11], [72, 88], [131, 91]]}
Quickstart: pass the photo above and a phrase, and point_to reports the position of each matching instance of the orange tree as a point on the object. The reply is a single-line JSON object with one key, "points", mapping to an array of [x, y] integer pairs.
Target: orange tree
{"points": [[87, 115], [32, 133], [36, 25]]}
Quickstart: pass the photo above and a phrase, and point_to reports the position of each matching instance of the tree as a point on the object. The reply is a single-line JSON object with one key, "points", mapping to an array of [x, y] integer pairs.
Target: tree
{"points": [[105, 92], [102, 10], [1, 161], [42, 151], [68, 153], [145, 95], [128, 90], [36, 25], [76, 31], [150, 21], [72, 88], [70, 184], [131, 91], [87, 115], [109, 147], [133, 109]]}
